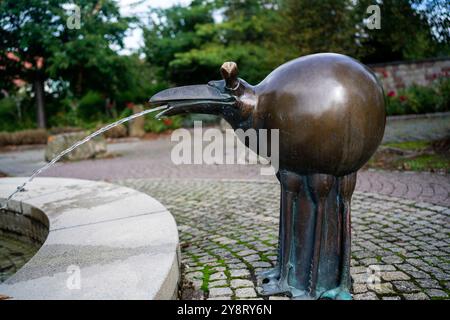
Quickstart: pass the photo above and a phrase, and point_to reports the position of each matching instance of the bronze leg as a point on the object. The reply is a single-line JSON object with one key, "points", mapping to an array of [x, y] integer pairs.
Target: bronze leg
{"points": [[290, 185], [346, 186], [320, 186], [272, 275]]}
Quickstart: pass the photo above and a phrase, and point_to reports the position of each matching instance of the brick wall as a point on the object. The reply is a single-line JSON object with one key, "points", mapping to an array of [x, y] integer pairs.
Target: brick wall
{"points": [[400, 75]]}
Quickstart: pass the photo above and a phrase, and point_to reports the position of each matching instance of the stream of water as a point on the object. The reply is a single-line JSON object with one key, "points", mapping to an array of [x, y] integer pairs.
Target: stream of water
{"points": [[74, 146]]}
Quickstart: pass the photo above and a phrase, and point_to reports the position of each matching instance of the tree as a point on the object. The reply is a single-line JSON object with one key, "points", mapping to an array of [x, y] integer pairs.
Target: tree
{"points": [[404, 34], [37, 32], [172, 31], [318, 26], [188, 45]]}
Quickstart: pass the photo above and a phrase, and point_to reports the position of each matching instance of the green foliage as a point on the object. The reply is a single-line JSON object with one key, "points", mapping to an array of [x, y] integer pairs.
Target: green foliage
{"points": [[426, 162], [405, 32], [418, 99], [409, 145], [309, 27], [9, 115], [8, 110], [160, 125], [187, 45], [190, 47], [90, 105], [443, 92], [36, 30]]}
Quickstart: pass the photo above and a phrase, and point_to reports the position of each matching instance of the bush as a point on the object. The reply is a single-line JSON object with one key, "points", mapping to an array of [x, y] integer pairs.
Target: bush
{"points": [[8, 109], [418, 99], [60, 130], [421, 99], [91, 106], [160, 125], [33, 136], [444, 94]]}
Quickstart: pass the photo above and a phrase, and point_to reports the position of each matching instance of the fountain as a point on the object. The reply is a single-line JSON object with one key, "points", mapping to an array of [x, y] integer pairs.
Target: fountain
{"points": [[330, 112], [77, 239]]}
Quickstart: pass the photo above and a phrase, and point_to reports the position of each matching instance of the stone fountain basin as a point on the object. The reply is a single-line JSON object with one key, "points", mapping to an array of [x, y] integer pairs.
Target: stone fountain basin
{"points": [[104, 242]]}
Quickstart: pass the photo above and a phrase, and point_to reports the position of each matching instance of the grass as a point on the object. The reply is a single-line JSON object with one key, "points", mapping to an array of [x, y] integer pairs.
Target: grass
{"points": [[426, 158], [409, 145], [426, 163]]}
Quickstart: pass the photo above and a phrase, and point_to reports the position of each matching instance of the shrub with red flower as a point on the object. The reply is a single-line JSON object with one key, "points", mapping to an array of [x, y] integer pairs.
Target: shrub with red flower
{"points": [[391, 94], [403, 98], [130, 105], [167, 121]]}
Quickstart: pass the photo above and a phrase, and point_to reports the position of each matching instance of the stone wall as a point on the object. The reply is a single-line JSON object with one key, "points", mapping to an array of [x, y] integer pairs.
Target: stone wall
{"points": [[400, 75]]}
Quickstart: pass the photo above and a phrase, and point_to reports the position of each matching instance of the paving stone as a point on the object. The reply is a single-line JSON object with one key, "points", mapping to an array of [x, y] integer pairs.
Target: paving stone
{"points": [[245, 293], [218, 283], [391, 298], [365, 296], [239, 273], [219, 292], [261, 264], [435, 293], [405, 286], [279, 298], [246, 253], [394, 275], [239, 283], [382, 267], [359, 288], [392, 259], [382, 288], [356, 270], [217, 276], [194, 275], [428, 283], [252, 258], [416, 296]]}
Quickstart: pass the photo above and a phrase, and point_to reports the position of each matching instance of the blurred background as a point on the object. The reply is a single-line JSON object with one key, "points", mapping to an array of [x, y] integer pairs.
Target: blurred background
{"points": [[77, 65]]}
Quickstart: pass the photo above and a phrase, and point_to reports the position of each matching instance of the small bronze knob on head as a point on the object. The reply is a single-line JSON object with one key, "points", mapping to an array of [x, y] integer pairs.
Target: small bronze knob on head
{"points": [[229, 72]]}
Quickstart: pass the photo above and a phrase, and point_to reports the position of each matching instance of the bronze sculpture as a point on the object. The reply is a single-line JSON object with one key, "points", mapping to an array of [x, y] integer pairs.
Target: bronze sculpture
{"points": [[330, 112]]}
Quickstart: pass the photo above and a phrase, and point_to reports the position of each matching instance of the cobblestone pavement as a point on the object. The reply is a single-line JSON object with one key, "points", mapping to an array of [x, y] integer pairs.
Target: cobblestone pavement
{"points": [[228, 233]]}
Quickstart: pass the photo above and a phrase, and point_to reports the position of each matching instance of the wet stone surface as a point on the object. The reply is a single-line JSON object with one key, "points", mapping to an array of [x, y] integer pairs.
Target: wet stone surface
{"points": [[229, 234]]}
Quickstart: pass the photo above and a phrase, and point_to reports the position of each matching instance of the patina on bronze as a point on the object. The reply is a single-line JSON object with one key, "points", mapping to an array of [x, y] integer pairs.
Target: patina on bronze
{"points": [[330, 112]]}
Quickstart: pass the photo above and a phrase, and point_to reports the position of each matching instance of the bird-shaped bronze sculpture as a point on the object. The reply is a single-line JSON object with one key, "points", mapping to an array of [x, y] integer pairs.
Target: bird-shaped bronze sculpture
{"points": [[330, 113]]}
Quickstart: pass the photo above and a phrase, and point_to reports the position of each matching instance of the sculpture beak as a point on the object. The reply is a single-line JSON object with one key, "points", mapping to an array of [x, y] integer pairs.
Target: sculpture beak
{"points": [[205, 99]]}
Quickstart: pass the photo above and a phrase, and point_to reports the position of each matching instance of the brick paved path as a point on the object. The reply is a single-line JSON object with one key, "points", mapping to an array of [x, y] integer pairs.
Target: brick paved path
{"points": [[228, 232]]}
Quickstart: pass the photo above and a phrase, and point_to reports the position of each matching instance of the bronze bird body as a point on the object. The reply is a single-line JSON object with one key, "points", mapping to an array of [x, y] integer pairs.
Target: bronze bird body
{"points": [[330, 113]]}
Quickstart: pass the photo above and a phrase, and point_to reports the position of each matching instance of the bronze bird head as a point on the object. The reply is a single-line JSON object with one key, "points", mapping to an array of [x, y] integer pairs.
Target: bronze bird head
{"points": [[232, 98]]}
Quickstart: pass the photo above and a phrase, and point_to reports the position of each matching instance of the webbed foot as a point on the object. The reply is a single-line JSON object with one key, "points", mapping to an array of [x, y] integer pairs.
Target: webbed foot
{"points": [[270, 275], [301, 295], [338, 293], [272, 284]]}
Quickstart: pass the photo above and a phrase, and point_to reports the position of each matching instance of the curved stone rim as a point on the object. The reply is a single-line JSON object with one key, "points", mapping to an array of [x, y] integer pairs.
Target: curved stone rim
{"points": [[105, 242]]}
